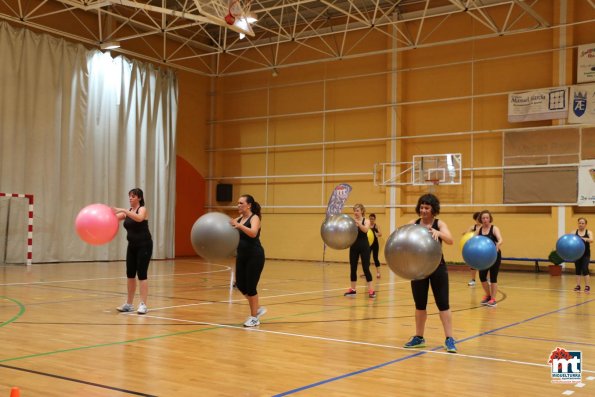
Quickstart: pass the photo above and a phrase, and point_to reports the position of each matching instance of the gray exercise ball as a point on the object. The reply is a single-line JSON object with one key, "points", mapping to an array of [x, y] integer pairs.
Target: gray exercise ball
{"points": [[339, 231], [213, 238], [412, 253]]}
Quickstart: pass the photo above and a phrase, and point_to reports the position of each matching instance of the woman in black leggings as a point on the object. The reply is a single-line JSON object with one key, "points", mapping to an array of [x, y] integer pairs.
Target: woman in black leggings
{"points": [[375, 246], [360, 249], [582, 264], [250, 256], [140, 249], [428, 207], [493, 233]]}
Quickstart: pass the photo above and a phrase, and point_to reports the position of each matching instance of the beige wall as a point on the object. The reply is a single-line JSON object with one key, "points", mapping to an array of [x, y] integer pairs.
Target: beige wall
{"points": [[457, 88]]}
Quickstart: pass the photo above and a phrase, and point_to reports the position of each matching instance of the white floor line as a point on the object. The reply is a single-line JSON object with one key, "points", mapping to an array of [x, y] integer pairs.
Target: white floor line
{"points": [[239, 327]]}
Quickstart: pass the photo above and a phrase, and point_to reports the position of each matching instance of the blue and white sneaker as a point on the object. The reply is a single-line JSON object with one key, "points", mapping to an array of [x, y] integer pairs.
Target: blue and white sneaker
{"points": [[415, 342], [252, 322], [449, 345]]}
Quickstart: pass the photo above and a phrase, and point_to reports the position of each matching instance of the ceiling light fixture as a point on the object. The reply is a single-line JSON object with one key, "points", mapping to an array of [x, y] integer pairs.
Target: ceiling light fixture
{"points": [[109, 45]]}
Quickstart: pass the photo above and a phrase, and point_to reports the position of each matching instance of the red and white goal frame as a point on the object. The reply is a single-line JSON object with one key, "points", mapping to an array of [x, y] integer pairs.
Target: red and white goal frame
{"points": [[29, 197]]}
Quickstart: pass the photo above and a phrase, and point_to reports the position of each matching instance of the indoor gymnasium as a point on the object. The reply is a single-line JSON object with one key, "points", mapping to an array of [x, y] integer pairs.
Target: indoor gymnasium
{"points": [[297, 198]]}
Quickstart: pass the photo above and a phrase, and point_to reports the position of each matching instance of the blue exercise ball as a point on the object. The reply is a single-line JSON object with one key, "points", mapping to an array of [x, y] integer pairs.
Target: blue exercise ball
{"points": [[480, 252], [570, 247]]}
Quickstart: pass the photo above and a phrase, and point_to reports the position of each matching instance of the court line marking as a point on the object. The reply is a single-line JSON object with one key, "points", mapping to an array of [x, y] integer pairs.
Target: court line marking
{"points": [[80, 381], [350, 374], [110, 278]]}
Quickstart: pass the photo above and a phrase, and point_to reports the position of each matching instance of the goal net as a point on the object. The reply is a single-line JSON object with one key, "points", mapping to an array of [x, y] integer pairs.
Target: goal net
{"points": [[16, 228]]}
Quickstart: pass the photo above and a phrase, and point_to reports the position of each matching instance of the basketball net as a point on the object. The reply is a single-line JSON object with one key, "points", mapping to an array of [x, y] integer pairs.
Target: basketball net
{"points": [[238, 17], [433, 183]]}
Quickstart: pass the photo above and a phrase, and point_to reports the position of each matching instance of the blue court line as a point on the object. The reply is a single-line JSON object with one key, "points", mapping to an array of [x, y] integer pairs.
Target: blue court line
{"points": [[364, 370]]}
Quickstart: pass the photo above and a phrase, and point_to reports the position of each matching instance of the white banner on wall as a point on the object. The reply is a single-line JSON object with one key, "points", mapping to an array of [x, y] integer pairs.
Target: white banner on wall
{"points": [[544, 104], [586, 183], [582, 104], [585, 63]]}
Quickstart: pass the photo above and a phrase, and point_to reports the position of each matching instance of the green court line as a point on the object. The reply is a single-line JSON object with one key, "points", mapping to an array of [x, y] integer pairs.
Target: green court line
{"points": [[106, 344], [141, 339], [19, 314]]}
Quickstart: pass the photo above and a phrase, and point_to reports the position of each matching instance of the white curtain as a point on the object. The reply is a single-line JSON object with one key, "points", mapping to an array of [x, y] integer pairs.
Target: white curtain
{"points": [[78, 127]]}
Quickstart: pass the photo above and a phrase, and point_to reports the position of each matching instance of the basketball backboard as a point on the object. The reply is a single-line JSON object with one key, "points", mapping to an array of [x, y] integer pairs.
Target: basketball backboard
{"points": [[233, 14], [433, 169]]}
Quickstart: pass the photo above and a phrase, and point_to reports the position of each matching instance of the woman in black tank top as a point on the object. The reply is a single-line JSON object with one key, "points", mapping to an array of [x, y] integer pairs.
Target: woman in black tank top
{"points": [[493, 233], [582, 264], [250, 256], [428, 207], [139, 251], [360, 249]]}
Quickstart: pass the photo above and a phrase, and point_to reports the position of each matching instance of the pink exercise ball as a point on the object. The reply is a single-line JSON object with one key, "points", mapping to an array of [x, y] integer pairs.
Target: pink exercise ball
{"points": [[96, 224]]}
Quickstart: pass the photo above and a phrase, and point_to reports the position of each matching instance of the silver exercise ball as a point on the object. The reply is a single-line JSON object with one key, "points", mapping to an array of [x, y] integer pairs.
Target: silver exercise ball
{"points": [[339, 231], [213, 238], [412, 253]]}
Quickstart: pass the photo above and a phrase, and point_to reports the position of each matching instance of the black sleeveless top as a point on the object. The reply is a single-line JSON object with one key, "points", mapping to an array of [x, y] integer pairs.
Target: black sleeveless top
{"points": [[361, 235], [138, 232], [434, 226], [587, 244], [490, 235], [247, 242]]}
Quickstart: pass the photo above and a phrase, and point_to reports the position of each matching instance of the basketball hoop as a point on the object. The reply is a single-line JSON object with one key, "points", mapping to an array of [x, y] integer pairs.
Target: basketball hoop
{"points": [[432, 183]]}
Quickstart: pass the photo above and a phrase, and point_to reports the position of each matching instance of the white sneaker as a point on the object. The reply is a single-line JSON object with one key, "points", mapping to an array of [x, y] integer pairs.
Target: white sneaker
{"points": [[261, 312], [126, 307], [471, 283], [252, 322], [142, 308]]}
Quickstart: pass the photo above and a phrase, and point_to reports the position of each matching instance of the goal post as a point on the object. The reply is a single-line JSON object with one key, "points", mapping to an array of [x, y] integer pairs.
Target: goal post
{"points": [[6, 229]]}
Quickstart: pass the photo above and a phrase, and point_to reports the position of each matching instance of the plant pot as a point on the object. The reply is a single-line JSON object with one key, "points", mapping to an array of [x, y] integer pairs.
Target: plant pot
{"points": [[555, 270]]}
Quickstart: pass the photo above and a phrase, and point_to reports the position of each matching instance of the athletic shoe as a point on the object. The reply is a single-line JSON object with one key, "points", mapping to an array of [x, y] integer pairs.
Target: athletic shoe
{"points": [[372, 294], [126, 307], [587, 289], [471, 283], [378, 274], [142, 308], [449, 345], [350, 292], [485, 300], [252, 322], [578, 288], [261, 312], [415, 342], [491, 303]]}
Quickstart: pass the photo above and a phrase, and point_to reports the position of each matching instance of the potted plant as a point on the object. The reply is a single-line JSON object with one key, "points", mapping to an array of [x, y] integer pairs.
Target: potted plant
{"points": [[555, 269]]}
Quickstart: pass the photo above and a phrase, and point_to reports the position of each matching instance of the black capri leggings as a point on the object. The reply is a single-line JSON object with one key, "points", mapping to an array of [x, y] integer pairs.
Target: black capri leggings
{"points": [[375, 247], [582, 265], [493, 270], [249, 267], [137, 260], [439, 282], [361, 248]]}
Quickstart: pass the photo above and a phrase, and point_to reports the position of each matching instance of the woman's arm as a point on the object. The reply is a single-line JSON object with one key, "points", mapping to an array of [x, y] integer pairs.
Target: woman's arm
{"points": [[443, 233], [498, 236], [378, 232], [362, 224], [122, 213]]}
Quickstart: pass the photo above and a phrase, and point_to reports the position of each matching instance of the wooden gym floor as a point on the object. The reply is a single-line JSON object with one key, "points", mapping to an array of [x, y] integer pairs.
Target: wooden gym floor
{"points": [[61, 335]]}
